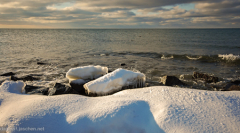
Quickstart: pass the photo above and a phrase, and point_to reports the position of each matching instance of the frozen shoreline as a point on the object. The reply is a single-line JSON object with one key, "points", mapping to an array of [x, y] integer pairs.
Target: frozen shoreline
{"points": [[151, 109]]}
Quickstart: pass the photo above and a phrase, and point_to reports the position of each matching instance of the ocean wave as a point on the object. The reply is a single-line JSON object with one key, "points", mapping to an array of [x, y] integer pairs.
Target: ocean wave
{"points": [[194, 58], [229, 57], [167, 57], [219, 58]]}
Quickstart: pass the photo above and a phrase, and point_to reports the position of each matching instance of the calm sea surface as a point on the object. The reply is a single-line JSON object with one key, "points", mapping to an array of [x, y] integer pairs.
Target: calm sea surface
{"points": [[155, 53]]}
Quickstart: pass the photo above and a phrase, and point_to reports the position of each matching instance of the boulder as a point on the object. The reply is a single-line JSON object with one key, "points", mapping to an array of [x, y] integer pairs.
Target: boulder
{"points": [[114, 82], [205, 77], [171, 80], [236, 82], [59, 89], [14, 78], [8, 74], [36, 90], [77, 85], [233, 88], [86, 72]]}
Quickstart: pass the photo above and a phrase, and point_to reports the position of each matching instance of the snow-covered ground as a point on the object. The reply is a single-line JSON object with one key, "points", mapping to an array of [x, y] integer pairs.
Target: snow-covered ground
{"points": [[153, 109]]}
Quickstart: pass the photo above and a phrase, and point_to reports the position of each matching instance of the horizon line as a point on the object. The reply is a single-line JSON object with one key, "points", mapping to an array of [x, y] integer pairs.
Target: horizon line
{"points": [[108, 28]]}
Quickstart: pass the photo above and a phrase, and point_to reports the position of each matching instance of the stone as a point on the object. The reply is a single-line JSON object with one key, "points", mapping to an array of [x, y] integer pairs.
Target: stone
{"points": [[227, 86], [29, 89], [8, 74], [233, 88], [59, 89], [86, 72], [28, 78], [24, 78], [41, 63], [123, 64], [114, 82], [171, 80], [236, 82], [77, 85], [205, 77], [14, 78]]}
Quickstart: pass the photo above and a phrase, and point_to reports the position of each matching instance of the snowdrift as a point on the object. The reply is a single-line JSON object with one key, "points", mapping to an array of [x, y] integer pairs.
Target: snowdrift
{"points": [[153, 109]]}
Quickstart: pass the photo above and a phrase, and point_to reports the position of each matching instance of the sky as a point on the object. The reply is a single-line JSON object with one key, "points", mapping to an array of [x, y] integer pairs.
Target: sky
{"points": [[120, 14]]}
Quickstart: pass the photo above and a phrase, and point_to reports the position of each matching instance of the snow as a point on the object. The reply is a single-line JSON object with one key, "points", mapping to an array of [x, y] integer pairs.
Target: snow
{"points": [[153, 109], [115, 81], [86, 72], [13, 87]]}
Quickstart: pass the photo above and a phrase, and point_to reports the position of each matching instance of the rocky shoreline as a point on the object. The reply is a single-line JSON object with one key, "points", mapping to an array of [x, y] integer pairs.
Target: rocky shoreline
{"points": [[73, 87]]}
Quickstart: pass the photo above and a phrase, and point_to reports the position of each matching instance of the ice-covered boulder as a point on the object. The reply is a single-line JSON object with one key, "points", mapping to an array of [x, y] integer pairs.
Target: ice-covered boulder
{"points": [[115, 81], [86, 72]]}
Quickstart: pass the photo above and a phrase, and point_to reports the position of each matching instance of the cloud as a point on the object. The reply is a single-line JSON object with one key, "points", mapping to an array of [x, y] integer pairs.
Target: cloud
{"points": [[119, 13]]}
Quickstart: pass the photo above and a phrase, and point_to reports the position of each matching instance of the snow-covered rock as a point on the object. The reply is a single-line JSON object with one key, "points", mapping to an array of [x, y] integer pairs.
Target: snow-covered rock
{"points": [[115, 81], [86, 72], [159, 109], [13, 87]]}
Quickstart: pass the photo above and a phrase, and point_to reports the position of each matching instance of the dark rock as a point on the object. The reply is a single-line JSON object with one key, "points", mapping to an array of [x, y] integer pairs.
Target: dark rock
{"points": [[59, 89], [92, 94], [152, 83], [205, 77], [1, 82], [123, 64], [233, 88], [236, 82], [72, 91], [41, 63], [29, 88], [36, 90], [77, 85], [171, 80], [24, 78], [14, 78], [8, 74], [227, 86], [29, 78]]}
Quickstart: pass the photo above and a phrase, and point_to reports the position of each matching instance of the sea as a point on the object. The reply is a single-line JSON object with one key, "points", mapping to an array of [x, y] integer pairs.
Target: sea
{"points": [[50, 53]]}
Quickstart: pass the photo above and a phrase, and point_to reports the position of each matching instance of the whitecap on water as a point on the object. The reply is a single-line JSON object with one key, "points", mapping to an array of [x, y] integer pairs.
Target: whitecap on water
{"points": [[167, 57], [229, 57], [194, 58]]}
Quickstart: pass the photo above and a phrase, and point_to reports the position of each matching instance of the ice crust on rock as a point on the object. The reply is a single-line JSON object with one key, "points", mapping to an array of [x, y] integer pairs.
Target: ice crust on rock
{"points": [[115, 81], [86, 72]]}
